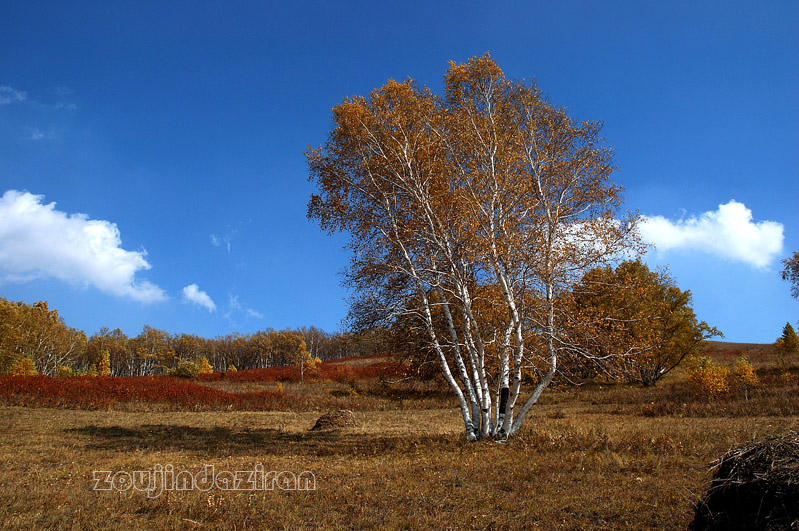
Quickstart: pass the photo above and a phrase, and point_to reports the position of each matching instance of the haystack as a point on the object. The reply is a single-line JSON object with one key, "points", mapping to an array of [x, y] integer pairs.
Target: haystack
{"points": [[341, 418], [754, 487]]}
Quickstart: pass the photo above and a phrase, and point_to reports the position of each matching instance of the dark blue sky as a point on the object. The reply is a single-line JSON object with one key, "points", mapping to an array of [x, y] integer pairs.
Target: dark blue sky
{"points": [[184, 124]]}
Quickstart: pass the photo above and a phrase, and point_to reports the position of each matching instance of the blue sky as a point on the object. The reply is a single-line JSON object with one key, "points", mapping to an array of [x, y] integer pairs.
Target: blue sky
{"points": [[170, 137]]}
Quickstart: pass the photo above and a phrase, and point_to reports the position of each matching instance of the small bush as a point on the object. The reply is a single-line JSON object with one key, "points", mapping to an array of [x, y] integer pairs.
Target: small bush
{"points": [[744, 377], [709, 379], [203, 366], [185, 369], [90, 371], [62, 371], [23, 367]]}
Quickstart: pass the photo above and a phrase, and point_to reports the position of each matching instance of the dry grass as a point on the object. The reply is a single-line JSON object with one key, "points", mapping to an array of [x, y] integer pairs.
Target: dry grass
{"points": [[588, 459], [361, 361]]}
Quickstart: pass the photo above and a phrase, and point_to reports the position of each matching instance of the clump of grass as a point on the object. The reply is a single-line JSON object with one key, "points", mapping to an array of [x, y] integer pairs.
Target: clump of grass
{"points": [[341, 418]]}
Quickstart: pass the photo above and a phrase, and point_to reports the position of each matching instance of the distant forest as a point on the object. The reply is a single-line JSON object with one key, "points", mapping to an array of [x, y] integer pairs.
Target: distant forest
{"points": [[39, 333]]}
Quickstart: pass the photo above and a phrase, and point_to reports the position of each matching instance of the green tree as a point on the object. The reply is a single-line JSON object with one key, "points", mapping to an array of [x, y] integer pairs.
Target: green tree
{"points": [[788, 341], [185, 369]]}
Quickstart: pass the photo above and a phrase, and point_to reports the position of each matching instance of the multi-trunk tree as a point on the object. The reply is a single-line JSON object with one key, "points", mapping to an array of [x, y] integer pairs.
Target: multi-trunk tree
{"points": [[471, 214]]}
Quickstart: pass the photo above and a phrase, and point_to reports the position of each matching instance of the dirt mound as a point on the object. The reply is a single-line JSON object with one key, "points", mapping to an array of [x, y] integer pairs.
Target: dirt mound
{"points": [[754, 487], [341, 418]]}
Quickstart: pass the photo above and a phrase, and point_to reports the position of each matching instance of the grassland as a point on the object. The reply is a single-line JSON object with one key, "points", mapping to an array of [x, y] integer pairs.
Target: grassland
{"points": [[605, 456]]}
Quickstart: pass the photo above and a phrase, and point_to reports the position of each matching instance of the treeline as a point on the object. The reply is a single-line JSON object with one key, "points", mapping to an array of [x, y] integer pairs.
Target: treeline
{"points": [[38, 333]]}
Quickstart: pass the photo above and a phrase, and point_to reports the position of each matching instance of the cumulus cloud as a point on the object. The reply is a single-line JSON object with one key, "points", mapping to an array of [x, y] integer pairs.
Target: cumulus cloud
{"points": [[193, 293], [9, 95], [38, 241], [728, 232]]}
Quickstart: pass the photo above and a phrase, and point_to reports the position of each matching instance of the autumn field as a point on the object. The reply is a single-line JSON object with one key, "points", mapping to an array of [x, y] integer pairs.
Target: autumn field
{"points": [[602, 456]]}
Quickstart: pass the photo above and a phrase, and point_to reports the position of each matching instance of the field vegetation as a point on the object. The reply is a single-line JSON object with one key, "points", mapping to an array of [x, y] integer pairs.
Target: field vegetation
{"points": [[601, 455]]}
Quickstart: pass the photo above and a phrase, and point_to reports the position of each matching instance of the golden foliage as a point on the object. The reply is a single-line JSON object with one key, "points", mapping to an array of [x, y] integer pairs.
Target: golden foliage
{"points": [[709, 380], [104, 366], [23, 367], [639, 315], [204, 366], [469, 213], [62, 371], [745, 373], [39, 332], [744, 377]]}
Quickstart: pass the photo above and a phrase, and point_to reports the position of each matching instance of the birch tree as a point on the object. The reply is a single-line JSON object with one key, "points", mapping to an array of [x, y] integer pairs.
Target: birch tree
{"points": [[470, 214]]}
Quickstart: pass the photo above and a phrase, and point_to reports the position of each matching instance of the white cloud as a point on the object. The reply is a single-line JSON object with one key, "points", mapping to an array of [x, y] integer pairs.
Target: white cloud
{"points": [[253, 313], [728, 232], [9, 95], [226, 240], [236, 308], [38, 241], [233, 302], [193, 293], [38, 134]]}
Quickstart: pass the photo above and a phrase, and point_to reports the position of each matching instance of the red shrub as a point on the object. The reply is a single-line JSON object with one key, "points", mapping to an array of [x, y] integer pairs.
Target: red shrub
{"points": [[105, 392]]}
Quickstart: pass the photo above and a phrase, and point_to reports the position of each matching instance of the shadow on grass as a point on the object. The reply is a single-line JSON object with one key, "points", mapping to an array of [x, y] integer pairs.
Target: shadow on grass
{"points": [[225, 441]]}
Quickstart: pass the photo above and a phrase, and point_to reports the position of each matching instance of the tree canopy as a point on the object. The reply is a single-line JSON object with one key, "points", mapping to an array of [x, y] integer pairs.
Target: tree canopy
{"points": [[790, 273], [636, 319]]}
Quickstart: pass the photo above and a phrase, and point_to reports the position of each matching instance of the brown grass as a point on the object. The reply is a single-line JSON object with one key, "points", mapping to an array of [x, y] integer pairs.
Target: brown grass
{"points": [[588, 459]]}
